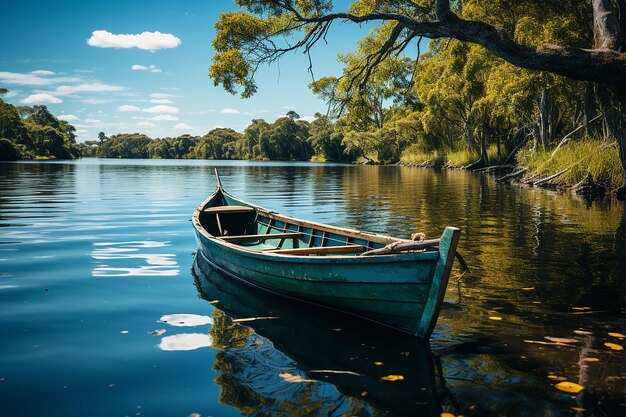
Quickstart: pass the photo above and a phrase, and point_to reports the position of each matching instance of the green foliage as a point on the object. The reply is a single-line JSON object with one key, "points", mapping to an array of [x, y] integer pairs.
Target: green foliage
{"points": [[458, 103], [219, 144], [133, 145], [595, 156], [9, 151], [35, 132]]}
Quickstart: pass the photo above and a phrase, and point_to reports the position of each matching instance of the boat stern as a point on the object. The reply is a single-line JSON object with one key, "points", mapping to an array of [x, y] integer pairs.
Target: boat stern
{"points": [[447, 249]]}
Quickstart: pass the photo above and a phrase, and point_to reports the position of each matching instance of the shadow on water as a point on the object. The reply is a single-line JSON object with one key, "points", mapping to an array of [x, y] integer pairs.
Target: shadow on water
{"points": [[278, 357]]}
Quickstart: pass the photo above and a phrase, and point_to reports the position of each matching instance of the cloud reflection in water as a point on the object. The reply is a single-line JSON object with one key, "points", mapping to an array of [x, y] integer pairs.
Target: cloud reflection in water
{"points": [[185, 341], [156, 264], [180, 320]]}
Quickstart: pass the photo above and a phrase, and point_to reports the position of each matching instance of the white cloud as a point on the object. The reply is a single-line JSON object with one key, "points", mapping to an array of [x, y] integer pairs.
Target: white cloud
{"points": [[91, 88], [167, 117], [151, 68], [154, 109], [161, 101], [162, 95], [230, 111], [17, 78], [160, 109], [97, 101], [149, 41], [146, 124], [182, 126], [42, 98], [67, 117], [126, 107], [42, 72], [92, 121], [308, 118]]}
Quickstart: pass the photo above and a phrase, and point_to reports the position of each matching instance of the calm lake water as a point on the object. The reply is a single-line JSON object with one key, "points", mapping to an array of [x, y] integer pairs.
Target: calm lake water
{"points": [[102, 314]]}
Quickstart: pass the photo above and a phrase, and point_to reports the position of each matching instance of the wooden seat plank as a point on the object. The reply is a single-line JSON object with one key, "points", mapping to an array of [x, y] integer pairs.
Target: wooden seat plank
{"points": [[240, 238], [320, 250], [229, 209]]}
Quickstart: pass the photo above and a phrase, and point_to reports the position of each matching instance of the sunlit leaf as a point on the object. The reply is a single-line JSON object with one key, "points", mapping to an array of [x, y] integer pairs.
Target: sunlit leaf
{"points": [[496, 318], [447, 415], [570, 387], [616, 334], [364, 393], [583, 332], [591, 360], [378, 363], [613, 346], [528, 288], [393, 378], [581, 308]]}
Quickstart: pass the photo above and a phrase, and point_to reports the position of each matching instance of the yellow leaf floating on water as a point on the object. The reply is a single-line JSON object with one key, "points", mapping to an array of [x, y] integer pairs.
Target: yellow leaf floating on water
{"points": [[392, 378], [378, 363], [613, 346], [496, 318], [591, 360], [364, 393], [528, 288], [619, 335], [447, 415], [570, 387]]}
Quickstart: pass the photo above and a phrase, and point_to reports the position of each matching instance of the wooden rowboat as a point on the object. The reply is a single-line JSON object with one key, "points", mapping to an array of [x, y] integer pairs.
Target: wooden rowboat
{"points": [[399, 283]]}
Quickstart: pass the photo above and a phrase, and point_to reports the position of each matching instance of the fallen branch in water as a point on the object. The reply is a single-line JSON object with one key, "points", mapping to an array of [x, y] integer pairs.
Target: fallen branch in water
{"points": [[512, 175]]}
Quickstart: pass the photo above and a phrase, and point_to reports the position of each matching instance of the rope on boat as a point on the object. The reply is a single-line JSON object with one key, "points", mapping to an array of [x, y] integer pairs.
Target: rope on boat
{"points": [[464, 267], [402, 246]]}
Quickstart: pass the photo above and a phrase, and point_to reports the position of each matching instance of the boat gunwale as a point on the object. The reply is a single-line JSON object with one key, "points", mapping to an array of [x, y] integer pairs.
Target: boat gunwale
{"points": [[378, 238]]}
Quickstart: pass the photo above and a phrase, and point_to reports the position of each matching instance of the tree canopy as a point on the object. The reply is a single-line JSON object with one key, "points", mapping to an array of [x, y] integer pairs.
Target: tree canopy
{"points": [[580, 40], [29, 132]]}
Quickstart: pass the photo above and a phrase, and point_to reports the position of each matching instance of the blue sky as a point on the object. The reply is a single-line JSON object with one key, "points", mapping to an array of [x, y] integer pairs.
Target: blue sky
{"points": [[46, 59]]}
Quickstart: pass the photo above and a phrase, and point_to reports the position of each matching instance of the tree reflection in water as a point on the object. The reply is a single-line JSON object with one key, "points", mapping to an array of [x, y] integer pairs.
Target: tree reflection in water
{"points": [[312, 362]]}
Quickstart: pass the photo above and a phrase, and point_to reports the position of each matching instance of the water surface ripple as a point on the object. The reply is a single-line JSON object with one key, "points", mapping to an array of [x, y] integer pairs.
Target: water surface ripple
{"points": [[102, 315]]}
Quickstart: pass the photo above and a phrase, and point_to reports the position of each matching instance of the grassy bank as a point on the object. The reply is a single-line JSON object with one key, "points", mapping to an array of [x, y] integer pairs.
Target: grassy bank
{"points": [[597, 157], [413, 155]]}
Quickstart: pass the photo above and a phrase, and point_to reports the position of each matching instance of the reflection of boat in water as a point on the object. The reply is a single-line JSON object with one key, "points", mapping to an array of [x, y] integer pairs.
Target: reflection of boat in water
{"points": [[396, 282], [276, 354]]}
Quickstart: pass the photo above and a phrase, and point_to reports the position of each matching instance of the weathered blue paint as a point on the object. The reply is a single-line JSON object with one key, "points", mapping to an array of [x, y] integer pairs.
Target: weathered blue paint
{"points": [[403, 291]]}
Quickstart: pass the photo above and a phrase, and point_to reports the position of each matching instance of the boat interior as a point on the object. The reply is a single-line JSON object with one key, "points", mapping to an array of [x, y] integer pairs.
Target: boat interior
{"points": [[257, 229]]}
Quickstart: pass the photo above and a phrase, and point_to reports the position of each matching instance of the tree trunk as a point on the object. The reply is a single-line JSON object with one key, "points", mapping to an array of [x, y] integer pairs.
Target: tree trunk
{"points": [[469, 135], [543, 119], [589, 108]]}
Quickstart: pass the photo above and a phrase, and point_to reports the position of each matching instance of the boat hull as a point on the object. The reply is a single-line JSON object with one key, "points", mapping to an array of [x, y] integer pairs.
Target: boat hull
{"points": [[403, 291]]}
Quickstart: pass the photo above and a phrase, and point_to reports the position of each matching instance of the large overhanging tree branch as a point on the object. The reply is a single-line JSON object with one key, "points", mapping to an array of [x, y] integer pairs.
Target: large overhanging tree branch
{"points": [[247, 40], [252, 39]]}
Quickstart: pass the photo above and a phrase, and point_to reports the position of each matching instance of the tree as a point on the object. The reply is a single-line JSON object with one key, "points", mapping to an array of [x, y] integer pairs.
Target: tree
{"points": [[263, 34], [293, 115], [102, 137]]}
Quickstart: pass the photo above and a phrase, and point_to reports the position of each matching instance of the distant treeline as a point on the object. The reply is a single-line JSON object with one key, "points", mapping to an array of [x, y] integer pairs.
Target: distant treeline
{"points": [[34, 132], [31, 132], [286, 139]]}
